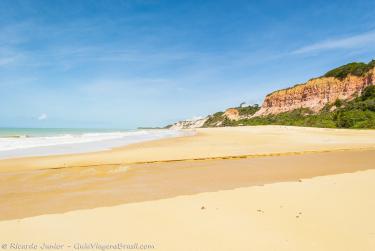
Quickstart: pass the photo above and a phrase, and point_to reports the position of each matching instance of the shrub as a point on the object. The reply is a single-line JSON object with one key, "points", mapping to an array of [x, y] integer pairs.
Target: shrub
{"points": [[248, 110], [338, 103], [368, 93], [355, 119]]}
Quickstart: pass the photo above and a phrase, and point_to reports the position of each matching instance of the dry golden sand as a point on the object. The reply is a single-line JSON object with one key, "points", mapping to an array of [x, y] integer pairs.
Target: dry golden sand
{"points": [[189, 193]]}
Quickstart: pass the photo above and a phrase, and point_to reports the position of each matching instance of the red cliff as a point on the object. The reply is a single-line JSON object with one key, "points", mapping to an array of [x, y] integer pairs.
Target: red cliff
{"points": [[316, 93]]}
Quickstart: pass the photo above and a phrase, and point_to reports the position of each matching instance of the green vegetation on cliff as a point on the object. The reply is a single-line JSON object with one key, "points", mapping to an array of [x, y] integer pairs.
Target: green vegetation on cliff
{"points": [[214, 120], [357, 69], [219, 119], [248, 110], [357, 113]]}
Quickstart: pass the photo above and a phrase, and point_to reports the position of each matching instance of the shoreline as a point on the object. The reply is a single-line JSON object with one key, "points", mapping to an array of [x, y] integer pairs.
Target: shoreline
{"points": [[73, 143], [209, 143]]}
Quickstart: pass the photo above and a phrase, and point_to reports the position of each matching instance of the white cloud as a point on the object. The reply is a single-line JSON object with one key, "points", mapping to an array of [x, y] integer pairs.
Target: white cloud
{"points": [[42, 116], [355, 41]]}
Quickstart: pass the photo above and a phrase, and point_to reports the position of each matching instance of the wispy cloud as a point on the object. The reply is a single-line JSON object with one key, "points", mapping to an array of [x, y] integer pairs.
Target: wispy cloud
{"points": [[66, 52], [42, 116], [355, 41]]}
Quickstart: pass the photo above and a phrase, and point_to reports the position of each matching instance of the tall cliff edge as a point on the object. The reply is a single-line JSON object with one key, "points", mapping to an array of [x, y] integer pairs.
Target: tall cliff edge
{"points": [[318, 92]]}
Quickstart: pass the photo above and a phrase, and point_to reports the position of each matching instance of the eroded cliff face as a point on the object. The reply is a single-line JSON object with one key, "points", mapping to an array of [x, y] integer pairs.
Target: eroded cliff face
{"points": [[232, 114], [315, 93]]}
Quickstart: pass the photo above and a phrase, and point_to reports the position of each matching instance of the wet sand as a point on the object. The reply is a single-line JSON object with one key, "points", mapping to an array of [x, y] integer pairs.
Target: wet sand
{"points": [[36, 192], [333, 212]]}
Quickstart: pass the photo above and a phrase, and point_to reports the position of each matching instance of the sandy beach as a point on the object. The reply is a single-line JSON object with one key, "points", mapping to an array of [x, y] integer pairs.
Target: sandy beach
{"points": [[324, 213], [242, 188], [187, 125]]}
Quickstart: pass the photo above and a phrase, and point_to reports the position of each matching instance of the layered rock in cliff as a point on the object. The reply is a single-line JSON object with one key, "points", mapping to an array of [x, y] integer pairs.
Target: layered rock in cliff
{"points": [[318, 92]]}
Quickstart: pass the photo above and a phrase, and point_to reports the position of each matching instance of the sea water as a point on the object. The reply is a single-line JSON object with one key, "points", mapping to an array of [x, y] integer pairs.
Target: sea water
{"points": [[23, 142]]}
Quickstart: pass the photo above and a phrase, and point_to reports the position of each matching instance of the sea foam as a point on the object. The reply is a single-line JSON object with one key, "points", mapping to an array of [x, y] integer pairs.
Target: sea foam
{"points": [[77, 143]]}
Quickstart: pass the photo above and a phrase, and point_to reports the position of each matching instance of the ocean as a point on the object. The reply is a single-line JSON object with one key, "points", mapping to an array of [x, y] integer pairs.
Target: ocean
{"points": [[25, 142]]}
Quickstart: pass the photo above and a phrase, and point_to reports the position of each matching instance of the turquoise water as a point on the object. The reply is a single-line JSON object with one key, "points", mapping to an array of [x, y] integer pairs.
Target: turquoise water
{"points": [[19, 142]]}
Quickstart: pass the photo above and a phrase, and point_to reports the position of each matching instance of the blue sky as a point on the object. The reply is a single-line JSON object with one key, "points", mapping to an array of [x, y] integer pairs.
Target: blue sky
{"points": [[149, 63]]}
